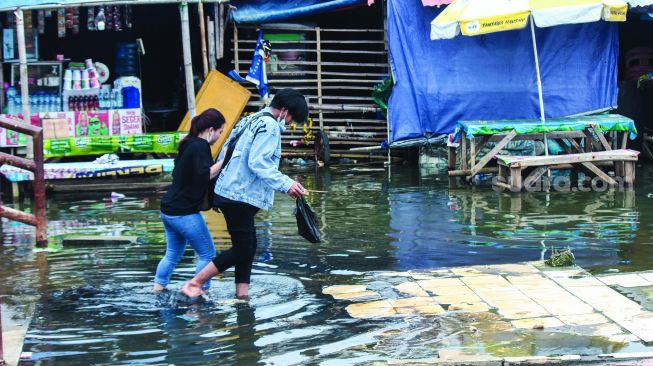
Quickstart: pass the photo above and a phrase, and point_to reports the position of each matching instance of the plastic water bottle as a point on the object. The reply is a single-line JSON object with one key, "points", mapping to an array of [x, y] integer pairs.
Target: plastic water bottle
{"points": [[11, 93], [117, 99]]}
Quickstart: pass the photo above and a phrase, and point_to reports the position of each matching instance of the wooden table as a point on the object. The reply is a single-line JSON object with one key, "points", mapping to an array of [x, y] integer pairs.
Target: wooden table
{"points": [[574, 134]]}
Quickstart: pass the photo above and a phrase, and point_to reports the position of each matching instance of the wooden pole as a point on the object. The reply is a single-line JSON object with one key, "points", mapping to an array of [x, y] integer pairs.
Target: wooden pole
{"points": [[319, 75], [24, 82], [211, 39], [205, 63], [236, 60], [188, 61]]}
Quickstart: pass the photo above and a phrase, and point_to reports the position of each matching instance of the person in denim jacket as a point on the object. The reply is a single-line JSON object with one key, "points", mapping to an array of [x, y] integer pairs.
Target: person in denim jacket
{"points": [[247, 183]]}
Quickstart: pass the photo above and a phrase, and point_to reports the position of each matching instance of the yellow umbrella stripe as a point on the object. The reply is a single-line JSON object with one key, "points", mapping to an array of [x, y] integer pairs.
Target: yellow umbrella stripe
{"points": [[493, 24]]}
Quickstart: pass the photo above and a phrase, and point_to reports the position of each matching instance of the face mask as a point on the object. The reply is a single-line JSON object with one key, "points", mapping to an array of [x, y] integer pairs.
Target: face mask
{"points": [[282, 120]]}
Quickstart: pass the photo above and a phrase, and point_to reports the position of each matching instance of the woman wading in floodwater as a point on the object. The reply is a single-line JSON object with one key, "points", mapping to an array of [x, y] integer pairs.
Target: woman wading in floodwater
{"points": [[180, 206]]}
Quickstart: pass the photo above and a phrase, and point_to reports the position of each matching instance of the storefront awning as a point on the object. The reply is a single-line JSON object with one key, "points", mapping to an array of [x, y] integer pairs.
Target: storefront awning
{"points": [[8, 5]]}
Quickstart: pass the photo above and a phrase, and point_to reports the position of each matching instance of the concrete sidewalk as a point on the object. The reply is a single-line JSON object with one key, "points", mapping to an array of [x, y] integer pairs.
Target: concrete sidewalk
{"points": [[513, 297]]}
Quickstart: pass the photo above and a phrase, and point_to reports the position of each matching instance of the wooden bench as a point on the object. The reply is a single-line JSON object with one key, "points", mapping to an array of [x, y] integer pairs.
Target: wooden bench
{"points": [[512, 168]]}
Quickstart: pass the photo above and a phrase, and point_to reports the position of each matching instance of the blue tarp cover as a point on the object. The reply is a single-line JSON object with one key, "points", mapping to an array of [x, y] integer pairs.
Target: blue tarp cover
{"points": [[267, 11], [493, 76]]}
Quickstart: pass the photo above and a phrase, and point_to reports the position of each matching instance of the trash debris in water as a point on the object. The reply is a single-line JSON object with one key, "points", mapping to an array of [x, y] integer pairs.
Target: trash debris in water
{"points": [[116, 195], [560, 259]]}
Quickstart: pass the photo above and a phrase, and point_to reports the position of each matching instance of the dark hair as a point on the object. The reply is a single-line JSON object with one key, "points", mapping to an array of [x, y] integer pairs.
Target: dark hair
{"points": [[292, 100], [203, 121]]}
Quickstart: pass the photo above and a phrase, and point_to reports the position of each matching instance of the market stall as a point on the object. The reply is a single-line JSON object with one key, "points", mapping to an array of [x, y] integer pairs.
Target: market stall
{"points": [[85, 107]]}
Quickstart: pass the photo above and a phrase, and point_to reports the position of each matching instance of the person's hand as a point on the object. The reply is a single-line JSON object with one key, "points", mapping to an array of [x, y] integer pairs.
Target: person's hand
{"points": [[296, 190]]}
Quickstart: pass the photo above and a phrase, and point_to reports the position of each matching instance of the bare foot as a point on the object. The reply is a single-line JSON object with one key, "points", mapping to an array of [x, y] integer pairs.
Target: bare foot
{"points": [[242, 290], [191, 289], [158, 288]]}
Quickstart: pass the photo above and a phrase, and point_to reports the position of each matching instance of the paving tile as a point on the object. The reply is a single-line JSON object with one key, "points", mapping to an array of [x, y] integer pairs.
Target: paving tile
{"points": [[342, 289], [565, 308], [468, 307], [516, 310], [453, 290], [395, 274], [411, 302], [467, 271], [514, 268], [625, 280], [537, 323], [647, 276], [356, 295], [603, 330], [639, 324], [441, 282], [422, 277], [411, 288], [622, 338], [455, 298], [579, 282], [486, 280], [584, 319], [412, 305], [374, 309]]}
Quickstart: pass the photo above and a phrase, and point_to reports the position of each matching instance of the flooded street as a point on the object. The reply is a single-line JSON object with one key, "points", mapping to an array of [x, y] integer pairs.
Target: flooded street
{"points": [[94, 306]]}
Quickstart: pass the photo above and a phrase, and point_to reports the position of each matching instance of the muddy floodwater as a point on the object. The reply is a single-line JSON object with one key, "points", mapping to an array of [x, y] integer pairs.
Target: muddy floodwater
{"points": [[94, 306]]}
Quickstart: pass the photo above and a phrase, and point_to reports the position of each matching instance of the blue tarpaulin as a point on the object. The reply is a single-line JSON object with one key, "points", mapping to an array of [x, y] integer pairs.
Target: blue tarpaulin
{"points": [[267, 11], [493, 76]]}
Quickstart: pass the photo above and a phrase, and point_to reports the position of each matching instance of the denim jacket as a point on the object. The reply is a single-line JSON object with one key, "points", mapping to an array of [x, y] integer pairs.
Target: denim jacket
{"points": [[252, 175]]}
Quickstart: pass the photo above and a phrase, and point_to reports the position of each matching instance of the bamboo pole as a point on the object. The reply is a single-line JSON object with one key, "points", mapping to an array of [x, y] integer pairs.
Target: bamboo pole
{"points": [[188, 61], [24, 82], [211, 39], [319, 75], [236, 60], [205, 63]]}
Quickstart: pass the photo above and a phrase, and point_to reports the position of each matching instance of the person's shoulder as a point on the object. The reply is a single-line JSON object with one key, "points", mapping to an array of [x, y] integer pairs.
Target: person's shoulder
{"points": [[197, 144]]}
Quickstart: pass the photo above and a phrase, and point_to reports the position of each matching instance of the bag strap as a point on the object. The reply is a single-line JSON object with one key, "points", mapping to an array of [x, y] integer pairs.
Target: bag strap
{"points": [[232, 143]]}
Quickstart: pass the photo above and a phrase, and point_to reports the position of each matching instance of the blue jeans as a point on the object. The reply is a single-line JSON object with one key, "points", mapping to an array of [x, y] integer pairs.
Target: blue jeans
{"points": [[180, 230]]}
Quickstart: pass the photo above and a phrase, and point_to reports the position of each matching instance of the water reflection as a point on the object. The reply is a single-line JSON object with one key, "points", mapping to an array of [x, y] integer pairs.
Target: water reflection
{"points": [[94, 306]]}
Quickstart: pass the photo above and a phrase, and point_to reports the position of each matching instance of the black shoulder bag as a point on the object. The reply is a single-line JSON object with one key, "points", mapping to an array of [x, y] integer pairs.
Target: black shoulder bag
{"points": [[207, 201], [307, 224]]}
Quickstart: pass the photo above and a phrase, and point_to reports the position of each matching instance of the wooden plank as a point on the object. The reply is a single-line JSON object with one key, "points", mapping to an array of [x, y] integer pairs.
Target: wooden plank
{"points": [[599, 173], [515, 179], [466, 172], [463, 151], [535, 175], [629, 174], [614, 155], [624, 140], [590, 138], [602, 140], [451, 162], [502, 185], [313, 63], [472, 151], [486, 159]]}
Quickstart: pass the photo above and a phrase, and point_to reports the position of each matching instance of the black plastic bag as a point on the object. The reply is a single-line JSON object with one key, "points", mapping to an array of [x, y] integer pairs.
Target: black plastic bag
{"points": [[306, 221]]}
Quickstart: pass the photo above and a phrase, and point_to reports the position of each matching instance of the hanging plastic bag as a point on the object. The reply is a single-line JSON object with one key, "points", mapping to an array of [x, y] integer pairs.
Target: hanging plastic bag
{"points": [[306, 221]]}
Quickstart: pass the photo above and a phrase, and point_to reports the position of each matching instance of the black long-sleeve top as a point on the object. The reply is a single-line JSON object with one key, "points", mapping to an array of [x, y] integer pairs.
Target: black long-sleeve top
{"points": [[190, 178]]}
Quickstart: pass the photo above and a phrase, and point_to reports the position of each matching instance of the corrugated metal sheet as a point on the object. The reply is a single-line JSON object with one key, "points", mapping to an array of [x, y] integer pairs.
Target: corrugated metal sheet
{"points": [[7, 5]]}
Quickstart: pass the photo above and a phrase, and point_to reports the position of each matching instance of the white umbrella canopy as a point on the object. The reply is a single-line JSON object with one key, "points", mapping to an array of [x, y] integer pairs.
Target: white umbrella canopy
{"points": [[475, 17]]}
